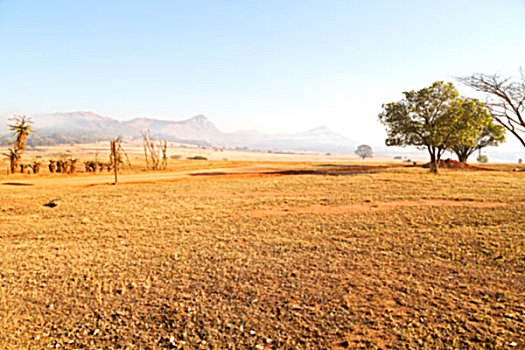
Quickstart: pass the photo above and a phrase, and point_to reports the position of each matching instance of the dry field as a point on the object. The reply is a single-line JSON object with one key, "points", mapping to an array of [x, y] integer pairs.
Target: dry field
{"points": [[389, 259]]}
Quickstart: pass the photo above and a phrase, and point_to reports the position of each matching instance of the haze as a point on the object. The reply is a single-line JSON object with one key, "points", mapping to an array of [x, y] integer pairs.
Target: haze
{"points": [[274, 66]]}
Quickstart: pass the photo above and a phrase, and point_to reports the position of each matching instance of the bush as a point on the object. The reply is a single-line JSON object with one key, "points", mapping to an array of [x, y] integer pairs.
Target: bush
{"points": [[197, 158], [482, 158]]}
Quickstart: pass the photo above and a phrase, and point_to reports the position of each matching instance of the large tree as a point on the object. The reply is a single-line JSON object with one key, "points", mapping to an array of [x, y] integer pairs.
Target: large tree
{"points": [[474, 128], [423, 119], [506, 99]]}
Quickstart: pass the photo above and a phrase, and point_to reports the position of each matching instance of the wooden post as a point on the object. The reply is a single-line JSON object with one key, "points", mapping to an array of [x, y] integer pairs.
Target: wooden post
{"points": [[164, 155], [144, 141], [113, 145]]}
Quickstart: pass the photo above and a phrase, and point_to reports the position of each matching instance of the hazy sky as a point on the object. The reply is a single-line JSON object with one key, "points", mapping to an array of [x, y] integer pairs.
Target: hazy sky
{"points": [[275, 66]]}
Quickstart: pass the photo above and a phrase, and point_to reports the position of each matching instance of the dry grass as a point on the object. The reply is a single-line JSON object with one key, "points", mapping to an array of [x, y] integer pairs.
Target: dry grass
{"points": [[188, 264]]}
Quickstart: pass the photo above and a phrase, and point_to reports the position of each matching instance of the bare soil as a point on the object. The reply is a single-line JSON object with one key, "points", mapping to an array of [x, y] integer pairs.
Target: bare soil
{"points": [[252, 258]]}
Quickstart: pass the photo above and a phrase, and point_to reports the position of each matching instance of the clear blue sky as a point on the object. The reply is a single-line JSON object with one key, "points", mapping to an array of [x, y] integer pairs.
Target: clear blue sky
{"points": [[277, 66]]}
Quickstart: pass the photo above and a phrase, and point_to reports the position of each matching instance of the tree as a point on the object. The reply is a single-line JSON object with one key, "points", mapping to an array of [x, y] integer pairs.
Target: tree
{"points": [[364, 151], [157, 152], [475, 129], [506, 99], [21, 128], [423, 119]]}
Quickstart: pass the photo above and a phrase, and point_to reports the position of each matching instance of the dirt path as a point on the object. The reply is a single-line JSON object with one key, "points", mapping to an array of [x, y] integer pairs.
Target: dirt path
{"points": [[256, 170], [87, 180]]}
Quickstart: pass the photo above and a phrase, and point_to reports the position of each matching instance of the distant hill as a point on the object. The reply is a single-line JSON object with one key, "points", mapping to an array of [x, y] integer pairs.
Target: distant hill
{"points": [[76, 127]]}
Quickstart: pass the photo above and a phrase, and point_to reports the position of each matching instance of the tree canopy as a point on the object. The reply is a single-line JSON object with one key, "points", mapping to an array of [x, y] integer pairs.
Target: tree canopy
{"points": [[423, 119], [474, 128], [435, 118]]}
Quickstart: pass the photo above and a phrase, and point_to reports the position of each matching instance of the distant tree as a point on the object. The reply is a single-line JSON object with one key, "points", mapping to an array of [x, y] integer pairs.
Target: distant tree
{"points": [[475, 129], [423, 119], [364, 151], [506, 99]]}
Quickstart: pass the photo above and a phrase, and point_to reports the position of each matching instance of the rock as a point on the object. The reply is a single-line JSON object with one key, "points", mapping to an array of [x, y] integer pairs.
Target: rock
{"points": [[52, 203]]}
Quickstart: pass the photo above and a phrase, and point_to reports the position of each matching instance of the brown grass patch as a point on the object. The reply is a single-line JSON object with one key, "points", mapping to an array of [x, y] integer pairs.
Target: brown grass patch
{"points": [[371, 207], [426, 262]]}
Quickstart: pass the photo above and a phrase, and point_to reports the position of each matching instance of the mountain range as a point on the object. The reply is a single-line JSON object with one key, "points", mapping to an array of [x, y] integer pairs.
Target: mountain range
{"points": [[197, 130]]}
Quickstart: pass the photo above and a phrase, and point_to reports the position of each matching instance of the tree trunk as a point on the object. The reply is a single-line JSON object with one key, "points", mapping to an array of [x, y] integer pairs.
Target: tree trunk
{"points": [[462, 157], [434, 162], [15, 166], [114, 159]]}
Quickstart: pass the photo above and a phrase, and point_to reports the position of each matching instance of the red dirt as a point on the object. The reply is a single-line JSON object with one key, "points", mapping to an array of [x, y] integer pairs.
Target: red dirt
{"points": [[244, 172], [454, 164]]}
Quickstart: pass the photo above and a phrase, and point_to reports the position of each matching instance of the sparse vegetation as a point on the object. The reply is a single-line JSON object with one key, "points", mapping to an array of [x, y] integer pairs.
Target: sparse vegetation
{"points": [[197, 158], [155, 152], [397, 258]]}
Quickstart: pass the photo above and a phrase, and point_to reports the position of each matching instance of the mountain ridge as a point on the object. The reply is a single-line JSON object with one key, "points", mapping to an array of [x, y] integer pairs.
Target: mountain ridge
{"points": [[198, 129]]}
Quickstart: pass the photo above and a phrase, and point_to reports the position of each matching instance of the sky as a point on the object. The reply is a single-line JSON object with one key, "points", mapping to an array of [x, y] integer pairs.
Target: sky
{"points": [[274, 66]]}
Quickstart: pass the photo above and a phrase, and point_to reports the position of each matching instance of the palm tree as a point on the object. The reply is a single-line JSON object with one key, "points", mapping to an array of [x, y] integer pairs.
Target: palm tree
{"points": [[21, 128]]}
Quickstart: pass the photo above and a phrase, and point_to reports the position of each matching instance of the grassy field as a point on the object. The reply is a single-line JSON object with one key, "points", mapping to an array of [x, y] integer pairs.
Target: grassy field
{"points": [[394, 259]]}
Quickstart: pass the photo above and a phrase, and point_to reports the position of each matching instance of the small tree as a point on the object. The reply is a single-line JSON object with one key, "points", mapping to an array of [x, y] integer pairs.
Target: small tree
{"points": [[506, 99], [423, 119], [364, 151], [475, 129], [21, 128], [155, 152]]}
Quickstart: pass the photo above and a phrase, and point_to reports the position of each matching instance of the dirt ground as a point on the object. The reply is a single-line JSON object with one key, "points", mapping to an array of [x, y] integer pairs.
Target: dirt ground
{"points": [[227, 255]]}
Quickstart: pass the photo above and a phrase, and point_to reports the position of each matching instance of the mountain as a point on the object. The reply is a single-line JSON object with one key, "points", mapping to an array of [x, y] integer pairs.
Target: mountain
{"points": [[198, 128], [88, 126], [73, 122], [318, 139]]}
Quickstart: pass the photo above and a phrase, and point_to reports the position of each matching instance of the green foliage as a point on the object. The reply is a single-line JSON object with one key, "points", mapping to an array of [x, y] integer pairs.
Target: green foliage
{"points": [[474, 128], [423, 119], [437, 119], [364, 151]]}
